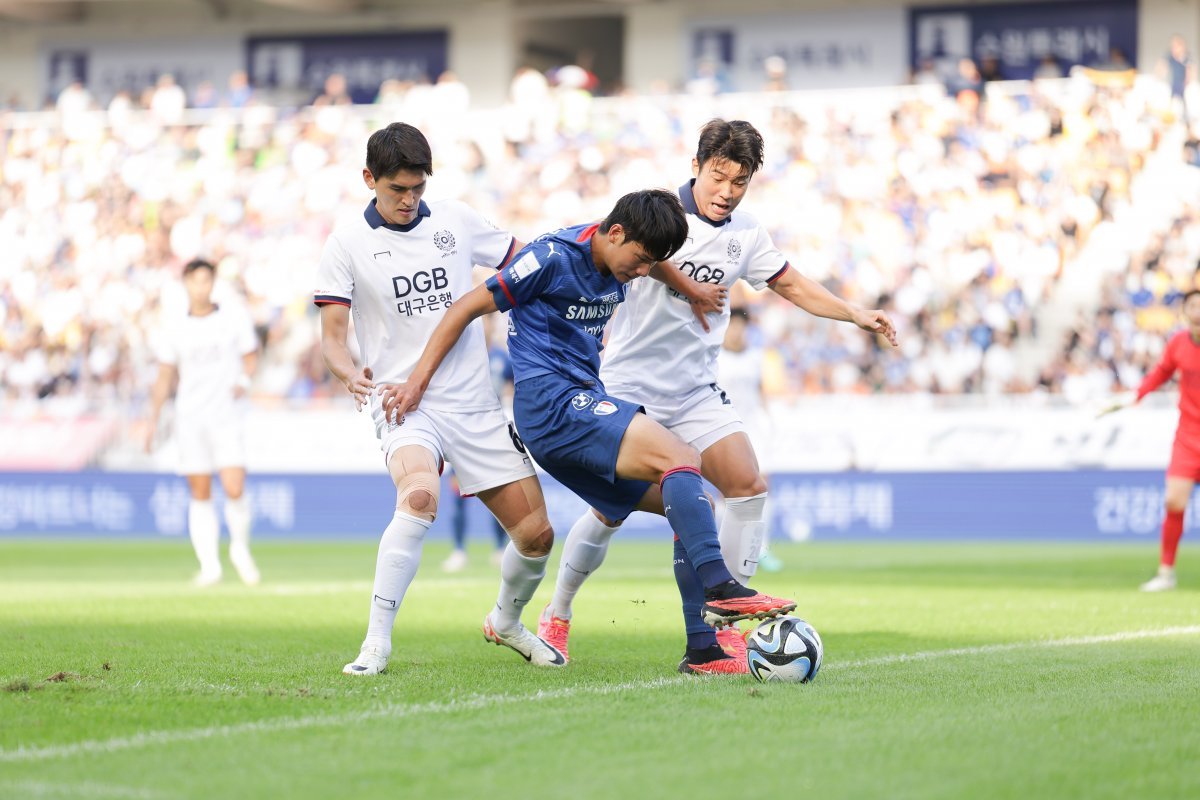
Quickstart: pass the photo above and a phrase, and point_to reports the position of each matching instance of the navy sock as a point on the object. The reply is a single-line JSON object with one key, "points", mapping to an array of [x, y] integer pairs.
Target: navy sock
{"points": [[691, 518], [699, 634]]}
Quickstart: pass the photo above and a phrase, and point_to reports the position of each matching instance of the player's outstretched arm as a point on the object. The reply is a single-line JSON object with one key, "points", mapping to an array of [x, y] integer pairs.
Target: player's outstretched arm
{"points": [[706, 298], [807, 294], [158, 396], [402, 398], [335, 324]]}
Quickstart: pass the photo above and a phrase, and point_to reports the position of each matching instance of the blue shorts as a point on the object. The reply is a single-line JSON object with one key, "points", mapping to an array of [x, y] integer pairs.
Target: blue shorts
{"points": [[575, 433]]}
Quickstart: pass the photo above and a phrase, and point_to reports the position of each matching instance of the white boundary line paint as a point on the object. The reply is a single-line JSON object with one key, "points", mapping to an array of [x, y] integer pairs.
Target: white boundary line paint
{"points": [[88, 789], [983, 649], [475, 702]]}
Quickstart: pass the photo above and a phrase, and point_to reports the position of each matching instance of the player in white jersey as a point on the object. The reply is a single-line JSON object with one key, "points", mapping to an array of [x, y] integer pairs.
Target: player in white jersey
{"points": [[397, 267], [213, 351], [660, 355]]}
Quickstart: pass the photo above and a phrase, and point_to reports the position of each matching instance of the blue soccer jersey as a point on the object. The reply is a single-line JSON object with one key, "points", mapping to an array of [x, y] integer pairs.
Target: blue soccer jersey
{"points": [[558, 304]]}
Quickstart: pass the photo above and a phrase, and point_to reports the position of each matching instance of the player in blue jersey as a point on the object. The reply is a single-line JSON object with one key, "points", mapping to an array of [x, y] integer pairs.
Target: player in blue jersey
{"points": [[561, 291], [661, 357]]}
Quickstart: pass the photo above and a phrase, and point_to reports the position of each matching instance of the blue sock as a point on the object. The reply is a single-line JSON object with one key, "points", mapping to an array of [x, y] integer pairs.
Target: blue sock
{"points": [[699, 635], [691, 518]]}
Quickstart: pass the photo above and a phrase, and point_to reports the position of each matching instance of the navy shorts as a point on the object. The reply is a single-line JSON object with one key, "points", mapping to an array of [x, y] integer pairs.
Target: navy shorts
{"points": [[575, 433]]}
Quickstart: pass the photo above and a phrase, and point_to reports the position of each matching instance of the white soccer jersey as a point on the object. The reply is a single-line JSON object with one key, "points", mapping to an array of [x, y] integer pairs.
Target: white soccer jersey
{"points": [[657, 351], [398, 281], [207, 351]]}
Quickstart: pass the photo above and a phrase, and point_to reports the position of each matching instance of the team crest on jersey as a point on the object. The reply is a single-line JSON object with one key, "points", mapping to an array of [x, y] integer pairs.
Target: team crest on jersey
{"points": [[444, 241], [604, 408], [581, 401], [734, 250]]}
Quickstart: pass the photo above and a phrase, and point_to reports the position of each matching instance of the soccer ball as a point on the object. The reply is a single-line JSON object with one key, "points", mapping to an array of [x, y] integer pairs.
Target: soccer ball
{"points": [[784, 649]]}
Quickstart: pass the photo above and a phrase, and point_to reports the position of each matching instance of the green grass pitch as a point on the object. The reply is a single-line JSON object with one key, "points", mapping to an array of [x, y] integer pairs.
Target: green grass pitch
{"points": [[952, 671]]}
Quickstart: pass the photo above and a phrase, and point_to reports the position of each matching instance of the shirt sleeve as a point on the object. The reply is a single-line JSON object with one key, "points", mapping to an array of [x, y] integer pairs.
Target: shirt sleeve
{"points": [[1161, 373], [526, 278], [766, 264], [335, 275], [490, 246]]}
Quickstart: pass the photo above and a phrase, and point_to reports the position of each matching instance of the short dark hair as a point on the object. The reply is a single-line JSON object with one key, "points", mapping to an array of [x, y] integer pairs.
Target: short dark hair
{"points": [[198, 263], [653, 218], [398, 147], [731, 140]]}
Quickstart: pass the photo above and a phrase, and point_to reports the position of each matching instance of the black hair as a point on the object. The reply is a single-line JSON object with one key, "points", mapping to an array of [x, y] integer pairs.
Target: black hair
{"points": [[731, 140], [398, 147], [198, 263], [653, 218], [740, 311]]}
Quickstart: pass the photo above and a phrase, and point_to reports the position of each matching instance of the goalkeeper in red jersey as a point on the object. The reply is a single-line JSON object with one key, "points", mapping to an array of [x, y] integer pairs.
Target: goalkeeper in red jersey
{"points": [[1182, 355]]}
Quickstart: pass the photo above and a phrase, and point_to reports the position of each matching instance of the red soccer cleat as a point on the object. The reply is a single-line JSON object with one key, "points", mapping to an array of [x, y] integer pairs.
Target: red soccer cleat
{"points": [[692, 664], [722, 611], [555, 630], [733, 642]]}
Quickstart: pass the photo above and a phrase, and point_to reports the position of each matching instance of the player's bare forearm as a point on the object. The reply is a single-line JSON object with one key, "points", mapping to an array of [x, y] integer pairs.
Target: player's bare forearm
{"points": [[462, 312], [706, 298], [810, 296], [399, 399], [335, 324], [161, 390]]}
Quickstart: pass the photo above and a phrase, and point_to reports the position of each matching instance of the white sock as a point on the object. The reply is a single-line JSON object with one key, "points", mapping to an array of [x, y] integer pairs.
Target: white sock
{"points": [[741, 534], [395, 567], [520, 577], [205, 532], [582, 553], [237, 517]]}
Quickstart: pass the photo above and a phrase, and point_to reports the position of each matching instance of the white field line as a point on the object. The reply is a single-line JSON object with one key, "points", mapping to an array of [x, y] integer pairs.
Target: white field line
{"points": [[476, 702], [983, 649], [86, 789]]}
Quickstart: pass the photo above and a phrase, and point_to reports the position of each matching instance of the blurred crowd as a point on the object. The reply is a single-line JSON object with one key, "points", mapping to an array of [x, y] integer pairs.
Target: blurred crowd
{"points": [[1026, 239]]}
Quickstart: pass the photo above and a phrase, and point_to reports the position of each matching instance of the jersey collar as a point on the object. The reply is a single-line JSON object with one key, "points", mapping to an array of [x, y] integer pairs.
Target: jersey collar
{"points": [[689, 204], [376, 220]]}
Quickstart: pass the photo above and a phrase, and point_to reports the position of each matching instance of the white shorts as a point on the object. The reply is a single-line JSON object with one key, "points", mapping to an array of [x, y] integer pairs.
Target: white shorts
{"points": [[482, 446], [210, 444], [702, 418]]}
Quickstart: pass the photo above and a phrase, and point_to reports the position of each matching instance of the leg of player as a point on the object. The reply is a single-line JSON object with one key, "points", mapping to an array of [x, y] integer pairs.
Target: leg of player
{"points": [[649, 452], [582, 554], [520, 507], [204, 530], [414, 470], [732, 466], [1179, 492], [237, 517]]}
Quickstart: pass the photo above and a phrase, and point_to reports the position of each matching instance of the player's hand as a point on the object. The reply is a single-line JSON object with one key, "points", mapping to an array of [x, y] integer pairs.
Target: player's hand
{"points": [[360, 385], [876, 321], [708, 298], [399, 399], [1116, 403]]}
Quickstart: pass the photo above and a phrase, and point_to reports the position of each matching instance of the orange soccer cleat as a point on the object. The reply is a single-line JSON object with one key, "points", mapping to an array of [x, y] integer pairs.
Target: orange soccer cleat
{"points": [[555, 630], [732, 602]]}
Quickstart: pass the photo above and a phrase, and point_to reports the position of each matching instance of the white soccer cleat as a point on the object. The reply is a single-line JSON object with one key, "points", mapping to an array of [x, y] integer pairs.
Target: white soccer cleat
{"points": [[1164, 581], [371, 661], [243, 562], [534, 650], [207, 577], [455, 562]]}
